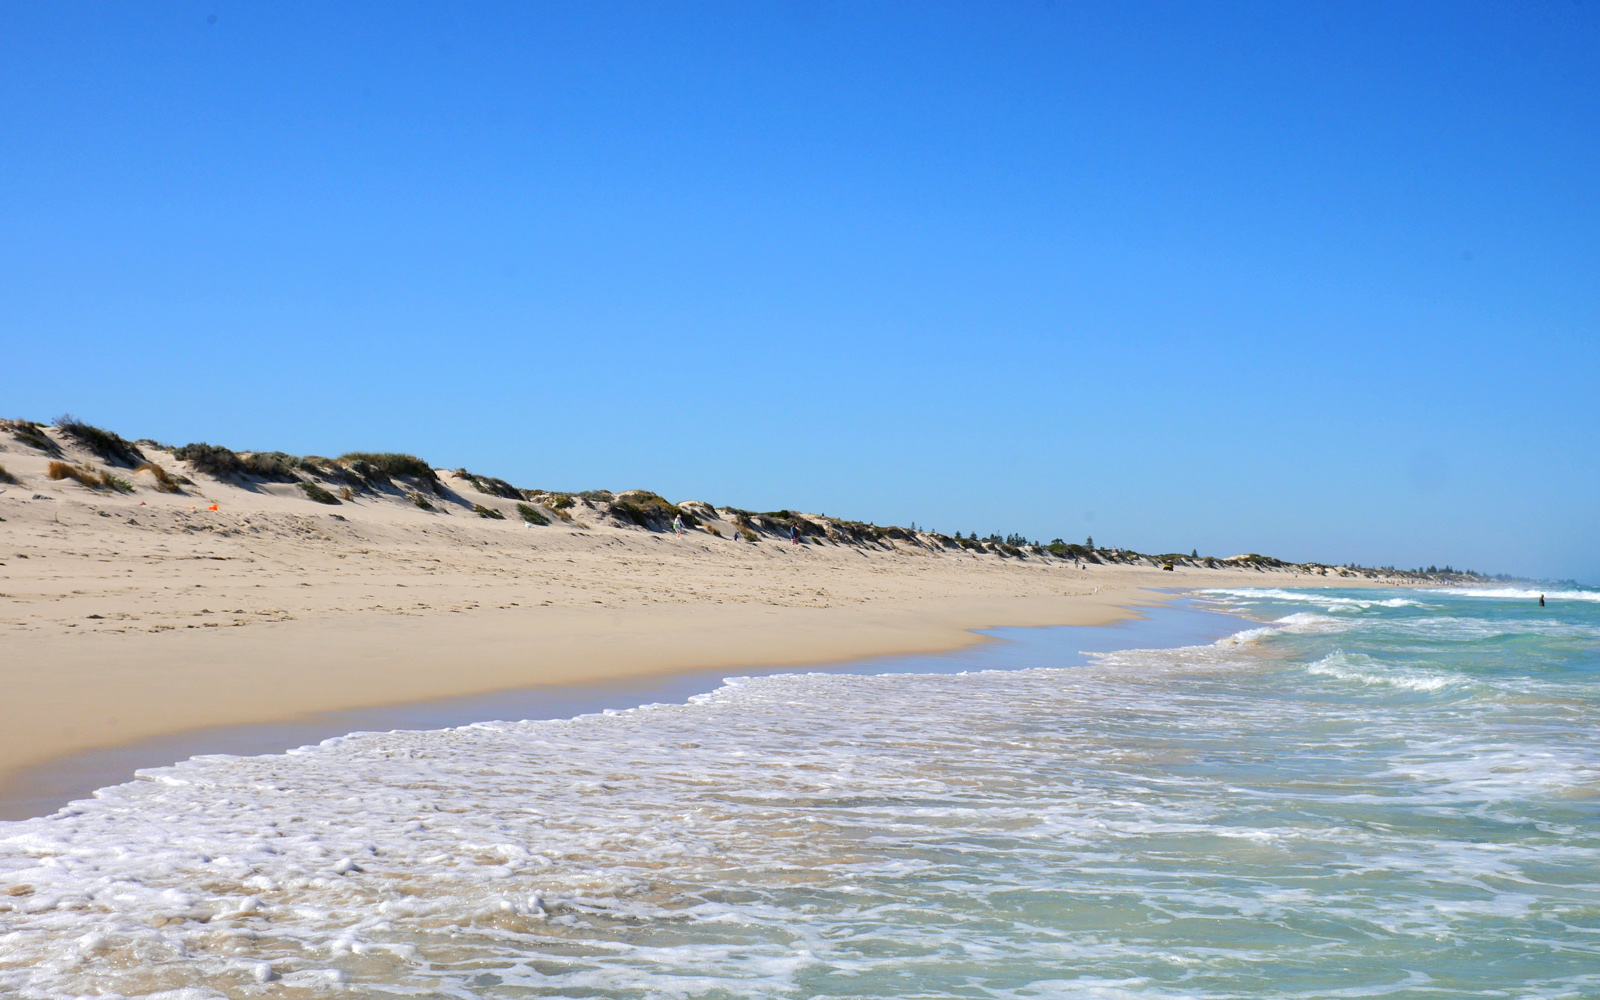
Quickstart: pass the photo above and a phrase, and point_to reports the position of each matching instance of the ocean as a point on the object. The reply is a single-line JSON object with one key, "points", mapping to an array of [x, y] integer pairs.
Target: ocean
{"points": [[1356, 793]]}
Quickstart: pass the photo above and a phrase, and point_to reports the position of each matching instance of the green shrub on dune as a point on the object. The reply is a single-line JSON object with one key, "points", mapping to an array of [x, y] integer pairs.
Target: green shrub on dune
{"points": [[215, 460], [490, 485], [531, 514], [318, 494], [32, 435], [103, 443], [382, 466], [649, 510]]}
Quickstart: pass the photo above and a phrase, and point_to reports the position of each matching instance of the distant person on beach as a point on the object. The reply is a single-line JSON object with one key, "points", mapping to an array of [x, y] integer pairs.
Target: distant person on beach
{"points": [[794, 534], [677, 525]]}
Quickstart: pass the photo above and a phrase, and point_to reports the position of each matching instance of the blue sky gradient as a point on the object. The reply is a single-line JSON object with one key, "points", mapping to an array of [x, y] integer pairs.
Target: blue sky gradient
{"points": [[1318, 280]]}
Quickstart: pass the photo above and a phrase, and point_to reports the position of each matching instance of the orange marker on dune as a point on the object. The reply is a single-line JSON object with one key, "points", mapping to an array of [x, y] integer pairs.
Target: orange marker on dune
{"points": [[212, 507]]}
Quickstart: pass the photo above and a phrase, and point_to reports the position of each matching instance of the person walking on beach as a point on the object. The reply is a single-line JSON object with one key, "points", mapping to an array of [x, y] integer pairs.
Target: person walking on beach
{"points": [[794, 534], [677, 525]]}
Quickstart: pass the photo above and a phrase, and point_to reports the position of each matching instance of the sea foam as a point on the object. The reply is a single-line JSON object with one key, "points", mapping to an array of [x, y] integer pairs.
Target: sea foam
{"points": [[1162, 823]]}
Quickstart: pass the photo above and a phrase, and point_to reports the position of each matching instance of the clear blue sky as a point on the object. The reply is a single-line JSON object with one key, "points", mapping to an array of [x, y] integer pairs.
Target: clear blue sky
{"points": [[1318, 280]]}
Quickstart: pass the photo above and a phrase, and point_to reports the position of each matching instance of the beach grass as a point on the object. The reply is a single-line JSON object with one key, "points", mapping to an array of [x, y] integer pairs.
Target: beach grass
{"points": [[164, 481], [531, 514], [490, 486], [385, 465], [65, 470], [32, 435], [215, 460], [117, 483], [317, 493], [107, 445]]}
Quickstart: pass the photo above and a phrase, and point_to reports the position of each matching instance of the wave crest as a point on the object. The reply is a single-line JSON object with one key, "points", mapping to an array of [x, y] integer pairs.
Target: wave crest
{"points": [[1331, 602], [1359, 669], [1521, 593]]}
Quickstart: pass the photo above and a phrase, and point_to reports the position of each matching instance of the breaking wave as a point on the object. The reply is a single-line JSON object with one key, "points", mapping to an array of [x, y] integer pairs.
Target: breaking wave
{"points": [[1326, 600], [1361, 669], [1522, 593]]}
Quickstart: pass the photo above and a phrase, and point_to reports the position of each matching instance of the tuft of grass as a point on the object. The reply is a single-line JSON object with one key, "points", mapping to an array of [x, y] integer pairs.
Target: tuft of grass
{"points": [[489, 512], [383, 466], [107, 445], [490, 485], [421, 501], [111, 482], [531, 514], [89, 477], [32, 435], [63, 470], [560, 502], [713, 529], [346, 493], [318, 494], [164, 481], [6, 477]]}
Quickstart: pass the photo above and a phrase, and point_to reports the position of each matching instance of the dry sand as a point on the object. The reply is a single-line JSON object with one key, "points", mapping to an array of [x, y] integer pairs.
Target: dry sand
{"points": [[125, 616]]}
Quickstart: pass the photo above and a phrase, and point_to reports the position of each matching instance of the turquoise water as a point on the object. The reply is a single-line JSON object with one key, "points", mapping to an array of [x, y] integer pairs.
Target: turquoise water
{"points": [[1373, 793]]}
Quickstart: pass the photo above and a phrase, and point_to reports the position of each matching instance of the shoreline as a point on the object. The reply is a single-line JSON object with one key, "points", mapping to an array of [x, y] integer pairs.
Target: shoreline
{"points": [[136, 614], [104, 690], [1157, 620]]}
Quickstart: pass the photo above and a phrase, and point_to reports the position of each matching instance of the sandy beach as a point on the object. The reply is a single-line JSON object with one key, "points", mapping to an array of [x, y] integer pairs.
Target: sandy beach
{"points": [[133, 613]]}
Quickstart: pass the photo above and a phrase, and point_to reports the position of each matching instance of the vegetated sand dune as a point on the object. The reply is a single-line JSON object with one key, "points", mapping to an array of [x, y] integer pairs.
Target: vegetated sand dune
{"points": [[141, 596]]}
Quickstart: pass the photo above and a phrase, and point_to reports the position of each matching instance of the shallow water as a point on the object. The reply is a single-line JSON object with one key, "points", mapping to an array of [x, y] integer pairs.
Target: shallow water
{"points": [[1371, 794]]}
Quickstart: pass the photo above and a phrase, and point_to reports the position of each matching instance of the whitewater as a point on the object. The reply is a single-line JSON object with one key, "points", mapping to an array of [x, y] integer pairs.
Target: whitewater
{"points": [[1355, 794]]}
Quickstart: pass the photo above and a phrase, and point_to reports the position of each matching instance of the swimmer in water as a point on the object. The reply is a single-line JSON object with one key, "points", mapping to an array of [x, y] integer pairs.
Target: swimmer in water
{"points": [[1541, 600]]}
